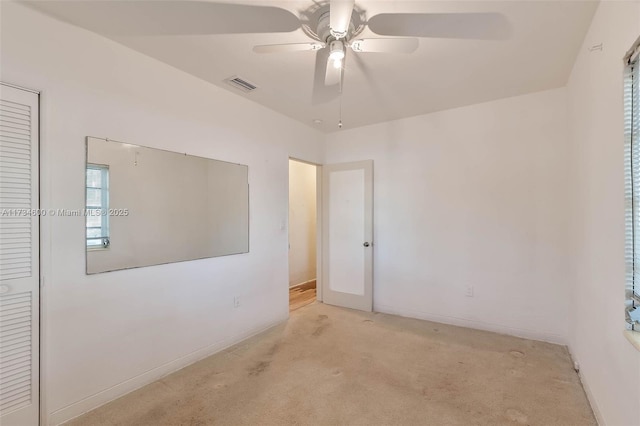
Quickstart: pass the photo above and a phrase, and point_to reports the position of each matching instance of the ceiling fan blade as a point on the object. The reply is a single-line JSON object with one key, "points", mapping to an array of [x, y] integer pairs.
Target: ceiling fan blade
{"points": [[332, 74], [385, 45], [340, 17], [482, 26], [170, 17], [290, 47], [321, 93]]}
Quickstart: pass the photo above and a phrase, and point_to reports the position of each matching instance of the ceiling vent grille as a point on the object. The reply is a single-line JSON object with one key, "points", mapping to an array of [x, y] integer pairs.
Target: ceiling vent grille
{"points": [[241, 84]]}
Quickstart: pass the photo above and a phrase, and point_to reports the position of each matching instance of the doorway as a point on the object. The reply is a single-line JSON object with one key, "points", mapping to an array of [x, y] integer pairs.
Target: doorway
{"points": [[302, 234]]}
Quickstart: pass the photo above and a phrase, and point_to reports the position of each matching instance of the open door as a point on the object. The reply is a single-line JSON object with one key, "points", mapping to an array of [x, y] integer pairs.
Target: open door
{"points": [[347, 227]]}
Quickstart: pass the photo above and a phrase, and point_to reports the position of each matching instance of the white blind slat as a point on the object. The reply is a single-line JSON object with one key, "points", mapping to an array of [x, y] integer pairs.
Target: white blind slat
{"points": [[632, 191]]}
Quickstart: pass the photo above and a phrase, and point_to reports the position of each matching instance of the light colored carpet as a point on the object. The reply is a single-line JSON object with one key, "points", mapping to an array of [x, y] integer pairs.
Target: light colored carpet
{"points": [[330, 366]]}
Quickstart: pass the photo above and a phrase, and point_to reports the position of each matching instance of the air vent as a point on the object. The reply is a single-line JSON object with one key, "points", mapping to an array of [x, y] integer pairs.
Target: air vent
{"points": [[241, 83]]}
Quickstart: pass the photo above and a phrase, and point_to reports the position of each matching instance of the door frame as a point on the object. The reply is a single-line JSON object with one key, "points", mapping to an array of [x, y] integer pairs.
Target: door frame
{"points": [[320, 282], [45, 252], [42, 418], [318, 222]]}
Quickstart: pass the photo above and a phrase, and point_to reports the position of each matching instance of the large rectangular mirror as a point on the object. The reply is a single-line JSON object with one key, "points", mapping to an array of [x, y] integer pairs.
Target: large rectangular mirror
{"points": [[147, 206]]}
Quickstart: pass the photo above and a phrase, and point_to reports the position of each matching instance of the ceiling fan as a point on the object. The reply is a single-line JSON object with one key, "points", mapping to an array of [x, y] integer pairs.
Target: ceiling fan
{"points": [[334, 31], [332, 25]]}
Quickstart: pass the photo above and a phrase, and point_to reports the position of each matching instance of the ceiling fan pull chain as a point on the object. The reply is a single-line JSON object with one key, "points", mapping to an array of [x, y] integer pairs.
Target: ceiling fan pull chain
{"points": [[340, 109]]}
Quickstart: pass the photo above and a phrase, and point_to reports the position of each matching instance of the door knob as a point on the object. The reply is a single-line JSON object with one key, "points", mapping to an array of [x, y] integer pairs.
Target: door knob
{"points": [[366, 244]]}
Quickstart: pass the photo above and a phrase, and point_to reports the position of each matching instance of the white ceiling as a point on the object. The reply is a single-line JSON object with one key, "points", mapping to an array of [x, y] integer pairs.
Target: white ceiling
{"points": [[441, 74]]}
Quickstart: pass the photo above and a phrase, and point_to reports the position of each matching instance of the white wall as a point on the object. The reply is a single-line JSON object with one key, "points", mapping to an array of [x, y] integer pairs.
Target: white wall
{"points": [[475, 196], [610, 366], [109, 333], [302, 222]]}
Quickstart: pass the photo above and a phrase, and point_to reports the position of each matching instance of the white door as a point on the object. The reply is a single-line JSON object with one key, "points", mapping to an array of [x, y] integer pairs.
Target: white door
{"points": [[347, 227], [19, 258]]}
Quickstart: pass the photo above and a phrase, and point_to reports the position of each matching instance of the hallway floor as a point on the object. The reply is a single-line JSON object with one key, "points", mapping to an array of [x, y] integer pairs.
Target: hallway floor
{"points": [[302, 295], [328, 365]]}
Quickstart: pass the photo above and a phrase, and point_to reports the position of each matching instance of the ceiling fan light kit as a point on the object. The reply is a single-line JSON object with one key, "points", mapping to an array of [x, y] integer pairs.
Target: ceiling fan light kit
{"points": [[336, 50], [336, 53]]}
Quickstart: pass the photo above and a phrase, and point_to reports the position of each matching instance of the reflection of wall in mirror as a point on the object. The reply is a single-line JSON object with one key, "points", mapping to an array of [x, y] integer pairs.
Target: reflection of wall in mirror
{"points": [[180, 207], [230, 228]]}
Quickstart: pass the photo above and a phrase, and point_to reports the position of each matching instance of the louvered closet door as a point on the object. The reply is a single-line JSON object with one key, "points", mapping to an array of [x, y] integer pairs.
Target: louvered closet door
{"points": [[19, 260]]}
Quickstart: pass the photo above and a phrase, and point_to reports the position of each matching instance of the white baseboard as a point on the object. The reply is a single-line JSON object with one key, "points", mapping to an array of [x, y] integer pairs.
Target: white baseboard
{"points": [[587, 390], [594, 405], [478, 325], [103, 397]]}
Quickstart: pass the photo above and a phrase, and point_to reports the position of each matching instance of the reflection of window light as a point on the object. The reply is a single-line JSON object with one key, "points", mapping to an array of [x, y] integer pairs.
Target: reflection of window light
{"points": [[97, 206]]}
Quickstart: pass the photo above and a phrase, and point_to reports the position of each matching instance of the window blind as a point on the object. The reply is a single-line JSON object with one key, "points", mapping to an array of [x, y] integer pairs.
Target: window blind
{"points": [[632, 194], [97, 206]]}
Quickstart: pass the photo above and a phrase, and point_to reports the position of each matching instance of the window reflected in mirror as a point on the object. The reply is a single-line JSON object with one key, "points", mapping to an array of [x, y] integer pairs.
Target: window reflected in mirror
{"points": [[97, 206]]}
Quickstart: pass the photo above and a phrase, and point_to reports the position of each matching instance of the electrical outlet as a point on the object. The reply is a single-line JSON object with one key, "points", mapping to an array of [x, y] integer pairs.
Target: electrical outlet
{"points": [[469, 291], [236, 301]]}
